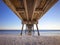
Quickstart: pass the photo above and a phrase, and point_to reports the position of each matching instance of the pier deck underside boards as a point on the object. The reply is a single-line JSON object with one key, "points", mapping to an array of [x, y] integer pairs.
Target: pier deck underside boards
{"points": [[29, 10]]}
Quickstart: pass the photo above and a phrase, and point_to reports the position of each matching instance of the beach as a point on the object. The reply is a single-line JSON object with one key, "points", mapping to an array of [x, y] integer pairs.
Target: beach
{"points": [[6, 39]]}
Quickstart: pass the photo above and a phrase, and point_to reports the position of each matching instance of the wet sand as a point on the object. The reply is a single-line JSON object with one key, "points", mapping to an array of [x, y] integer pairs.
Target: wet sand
{"points": [[29, 40]]}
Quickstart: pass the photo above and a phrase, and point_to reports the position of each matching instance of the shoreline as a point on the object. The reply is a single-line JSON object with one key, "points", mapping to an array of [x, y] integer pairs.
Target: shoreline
{"points": [[29, 40]]}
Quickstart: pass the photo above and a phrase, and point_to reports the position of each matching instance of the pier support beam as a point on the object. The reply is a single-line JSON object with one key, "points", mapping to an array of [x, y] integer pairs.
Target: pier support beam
{"points": [[37, 29], [33, 29], [22, 29]]}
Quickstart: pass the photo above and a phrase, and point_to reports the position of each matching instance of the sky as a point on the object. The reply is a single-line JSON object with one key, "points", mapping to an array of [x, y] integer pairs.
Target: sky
{"points": [[50, 20]]}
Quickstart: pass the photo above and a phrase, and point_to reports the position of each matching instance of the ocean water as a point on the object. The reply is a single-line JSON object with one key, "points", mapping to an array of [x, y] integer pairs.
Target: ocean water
{"points": [[42, 32]]}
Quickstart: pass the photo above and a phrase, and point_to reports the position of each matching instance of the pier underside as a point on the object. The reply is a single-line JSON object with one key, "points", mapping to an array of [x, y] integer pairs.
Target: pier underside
{"points": [[30, 11]]}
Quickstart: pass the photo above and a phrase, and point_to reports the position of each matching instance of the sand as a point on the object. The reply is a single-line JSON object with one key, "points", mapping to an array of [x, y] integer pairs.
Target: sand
{"points": [[29, 40]]}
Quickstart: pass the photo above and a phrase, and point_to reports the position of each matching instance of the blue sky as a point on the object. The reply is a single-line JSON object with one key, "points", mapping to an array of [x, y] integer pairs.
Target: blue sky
{"points": [[50, 20]]}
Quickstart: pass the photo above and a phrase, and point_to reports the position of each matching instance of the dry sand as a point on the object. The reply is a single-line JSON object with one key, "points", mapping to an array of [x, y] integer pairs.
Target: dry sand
{"points": [[29, 40]]}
